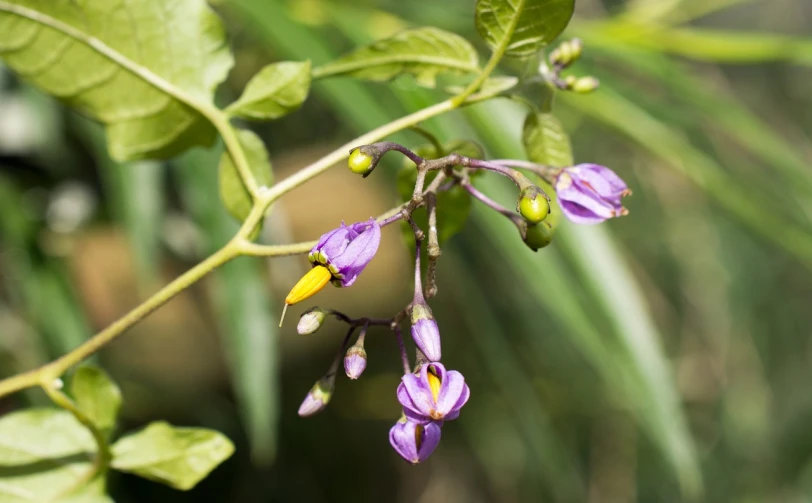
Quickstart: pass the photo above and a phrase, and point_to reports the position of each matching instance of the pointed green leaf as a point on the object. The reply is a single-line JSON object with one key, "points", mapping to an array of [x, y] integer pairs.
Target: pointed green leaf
{"points": [[97, 396], [177, 457], [144, 69], [275, 91], [422, 52], [522, 27], [545, 141], [43, 453], [235, 196]]}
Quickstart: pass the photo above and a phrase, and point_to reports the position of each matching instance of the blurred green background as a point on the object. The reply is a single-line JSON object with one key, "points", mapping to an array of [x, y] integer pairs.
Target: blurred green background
{"points": [[661, 357]]}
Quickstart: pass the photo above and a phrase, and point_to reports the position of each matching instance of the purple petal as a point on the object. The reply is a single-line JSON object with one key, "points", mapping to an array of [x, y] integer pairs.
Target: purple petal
{"points": [[358, 253], [578, 214], [426, 335], [571, 190], [414, 442], [430, 439], [602, 179], [354, 365], [333, 243], [419, 393], [451, 391]]}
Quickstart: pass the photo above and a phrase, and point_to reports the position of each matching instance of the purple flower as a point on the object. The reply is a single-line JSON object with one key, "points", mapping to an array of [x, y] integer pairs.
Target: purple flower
{"points": [[433, 394], [346, 251], [414, 441], [426, 333], [590, 194]]}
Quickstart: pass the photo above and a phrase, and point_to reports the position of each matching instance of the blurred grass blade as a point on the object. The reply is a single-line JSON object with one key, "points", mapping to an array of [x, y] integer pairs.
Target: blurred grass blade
{"points": [[667, 431], [757, 212], [554, 462], [243, 304], [135, 191], [706, 44], [602, 268]]}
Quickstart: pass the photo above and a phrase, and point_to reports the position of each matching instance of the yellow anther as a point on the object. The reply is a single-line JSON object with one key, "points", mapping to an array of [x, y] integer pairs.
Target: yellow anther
{"points": [[434, 384], [310, 284]]}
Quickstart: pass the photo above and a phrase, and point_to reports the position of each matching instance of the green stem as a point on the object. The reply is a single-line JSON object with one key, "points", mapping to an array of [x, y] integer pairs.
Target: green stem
{"points": [[235, 150], [103, 455], [240, 245], [496, 57]]}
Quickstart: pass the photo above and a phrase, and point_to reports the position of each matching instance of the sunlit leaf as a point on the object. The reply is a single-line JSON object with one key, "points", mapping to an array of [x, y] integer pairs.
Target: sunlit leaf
{"points": [[545, 140], [177, 457], [275, 91], [422, 52], [43, 454], [234, 194], [108, 60], [97, 395], [522, 27]]}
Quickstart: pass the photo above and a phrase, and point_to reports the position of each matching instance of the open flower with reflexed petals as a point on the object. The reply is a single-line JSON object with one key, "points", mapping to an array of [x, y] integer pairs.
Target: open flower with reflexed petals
{"points": [[414, 441], [590, 193], [338, 257], [433, 394]]}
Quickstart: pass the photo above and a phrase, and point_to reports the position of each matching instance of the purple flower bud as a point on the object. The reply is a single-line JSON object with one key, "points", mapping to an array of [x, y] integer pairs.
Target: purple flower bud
{"points": [[590, 194], [355, 362], [426, 333], [318, 397], [433, 394], [346, 251], [413, 441]]}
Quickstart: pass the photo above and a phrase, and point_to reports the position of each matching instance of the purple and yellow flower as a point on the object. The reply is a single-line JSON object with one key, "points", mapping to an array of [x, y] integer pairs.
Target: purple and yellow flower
{"points": [[414, 441], [338, 257], [590, 193], [433, 394]]}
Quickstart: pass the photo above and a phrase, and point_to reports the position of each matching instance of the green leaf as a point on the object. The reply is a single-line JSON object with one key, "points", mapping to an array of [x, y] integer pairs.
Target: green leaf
{"points": [[234, 194], [521, 28], [422, 52], [545, 140], [43, 454], [145, 70], [277, 90], [97, 396], [177, 457]]}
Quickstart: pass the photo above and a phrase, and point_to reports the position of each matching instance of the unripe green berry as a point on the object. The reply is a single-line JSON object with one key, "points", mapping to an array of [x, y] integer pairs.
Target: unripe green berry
{"points": [[538, 235], [359, 162], [585, 85], [533, 205]]}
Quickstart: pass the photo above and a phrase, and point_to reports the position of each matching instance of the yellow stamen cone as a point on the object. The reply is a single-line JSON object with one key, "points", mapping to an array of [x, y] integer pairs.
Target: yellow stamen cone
{"points": [[434, 384], [310, 284]]}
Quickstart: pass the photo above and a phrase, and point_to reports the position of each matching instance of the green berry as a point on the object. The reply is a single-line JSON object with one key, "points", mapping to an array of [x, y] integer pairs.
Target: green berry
{"points": [[538, 235], [533, 206], [359, 162]]}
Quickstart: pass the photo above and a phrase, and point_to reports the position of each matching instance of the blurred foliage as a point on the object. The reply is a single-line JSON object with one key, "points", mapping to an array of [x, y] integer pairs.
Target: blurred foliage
{"points": [[661, 357]]}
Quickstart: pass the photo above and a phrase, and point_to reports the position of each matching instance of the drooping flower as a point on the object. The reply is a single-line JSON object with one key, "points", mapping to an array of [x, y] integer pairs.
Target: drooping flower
{"points": [[318, 397], [425, 332], [338, 257], [433, 394], [414, 441], [590, 193]]}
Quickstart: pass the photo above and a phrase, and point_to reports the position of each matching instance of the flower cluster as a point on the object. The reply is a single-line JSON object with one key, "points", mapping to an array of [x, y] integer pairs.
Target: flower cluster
{"points": [[430, 394]]}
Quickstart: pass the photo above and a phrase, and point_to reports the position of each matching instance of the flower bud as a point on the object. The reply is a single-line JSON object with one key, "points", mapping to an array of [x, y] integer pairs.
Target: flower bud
{"points": [[538, 235], [319, 396], [570, 81], [585, 85], [566, 53], [355, 362], [311, 320], [533, 204], [363, 159], [425, 332], [590, 193]]}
